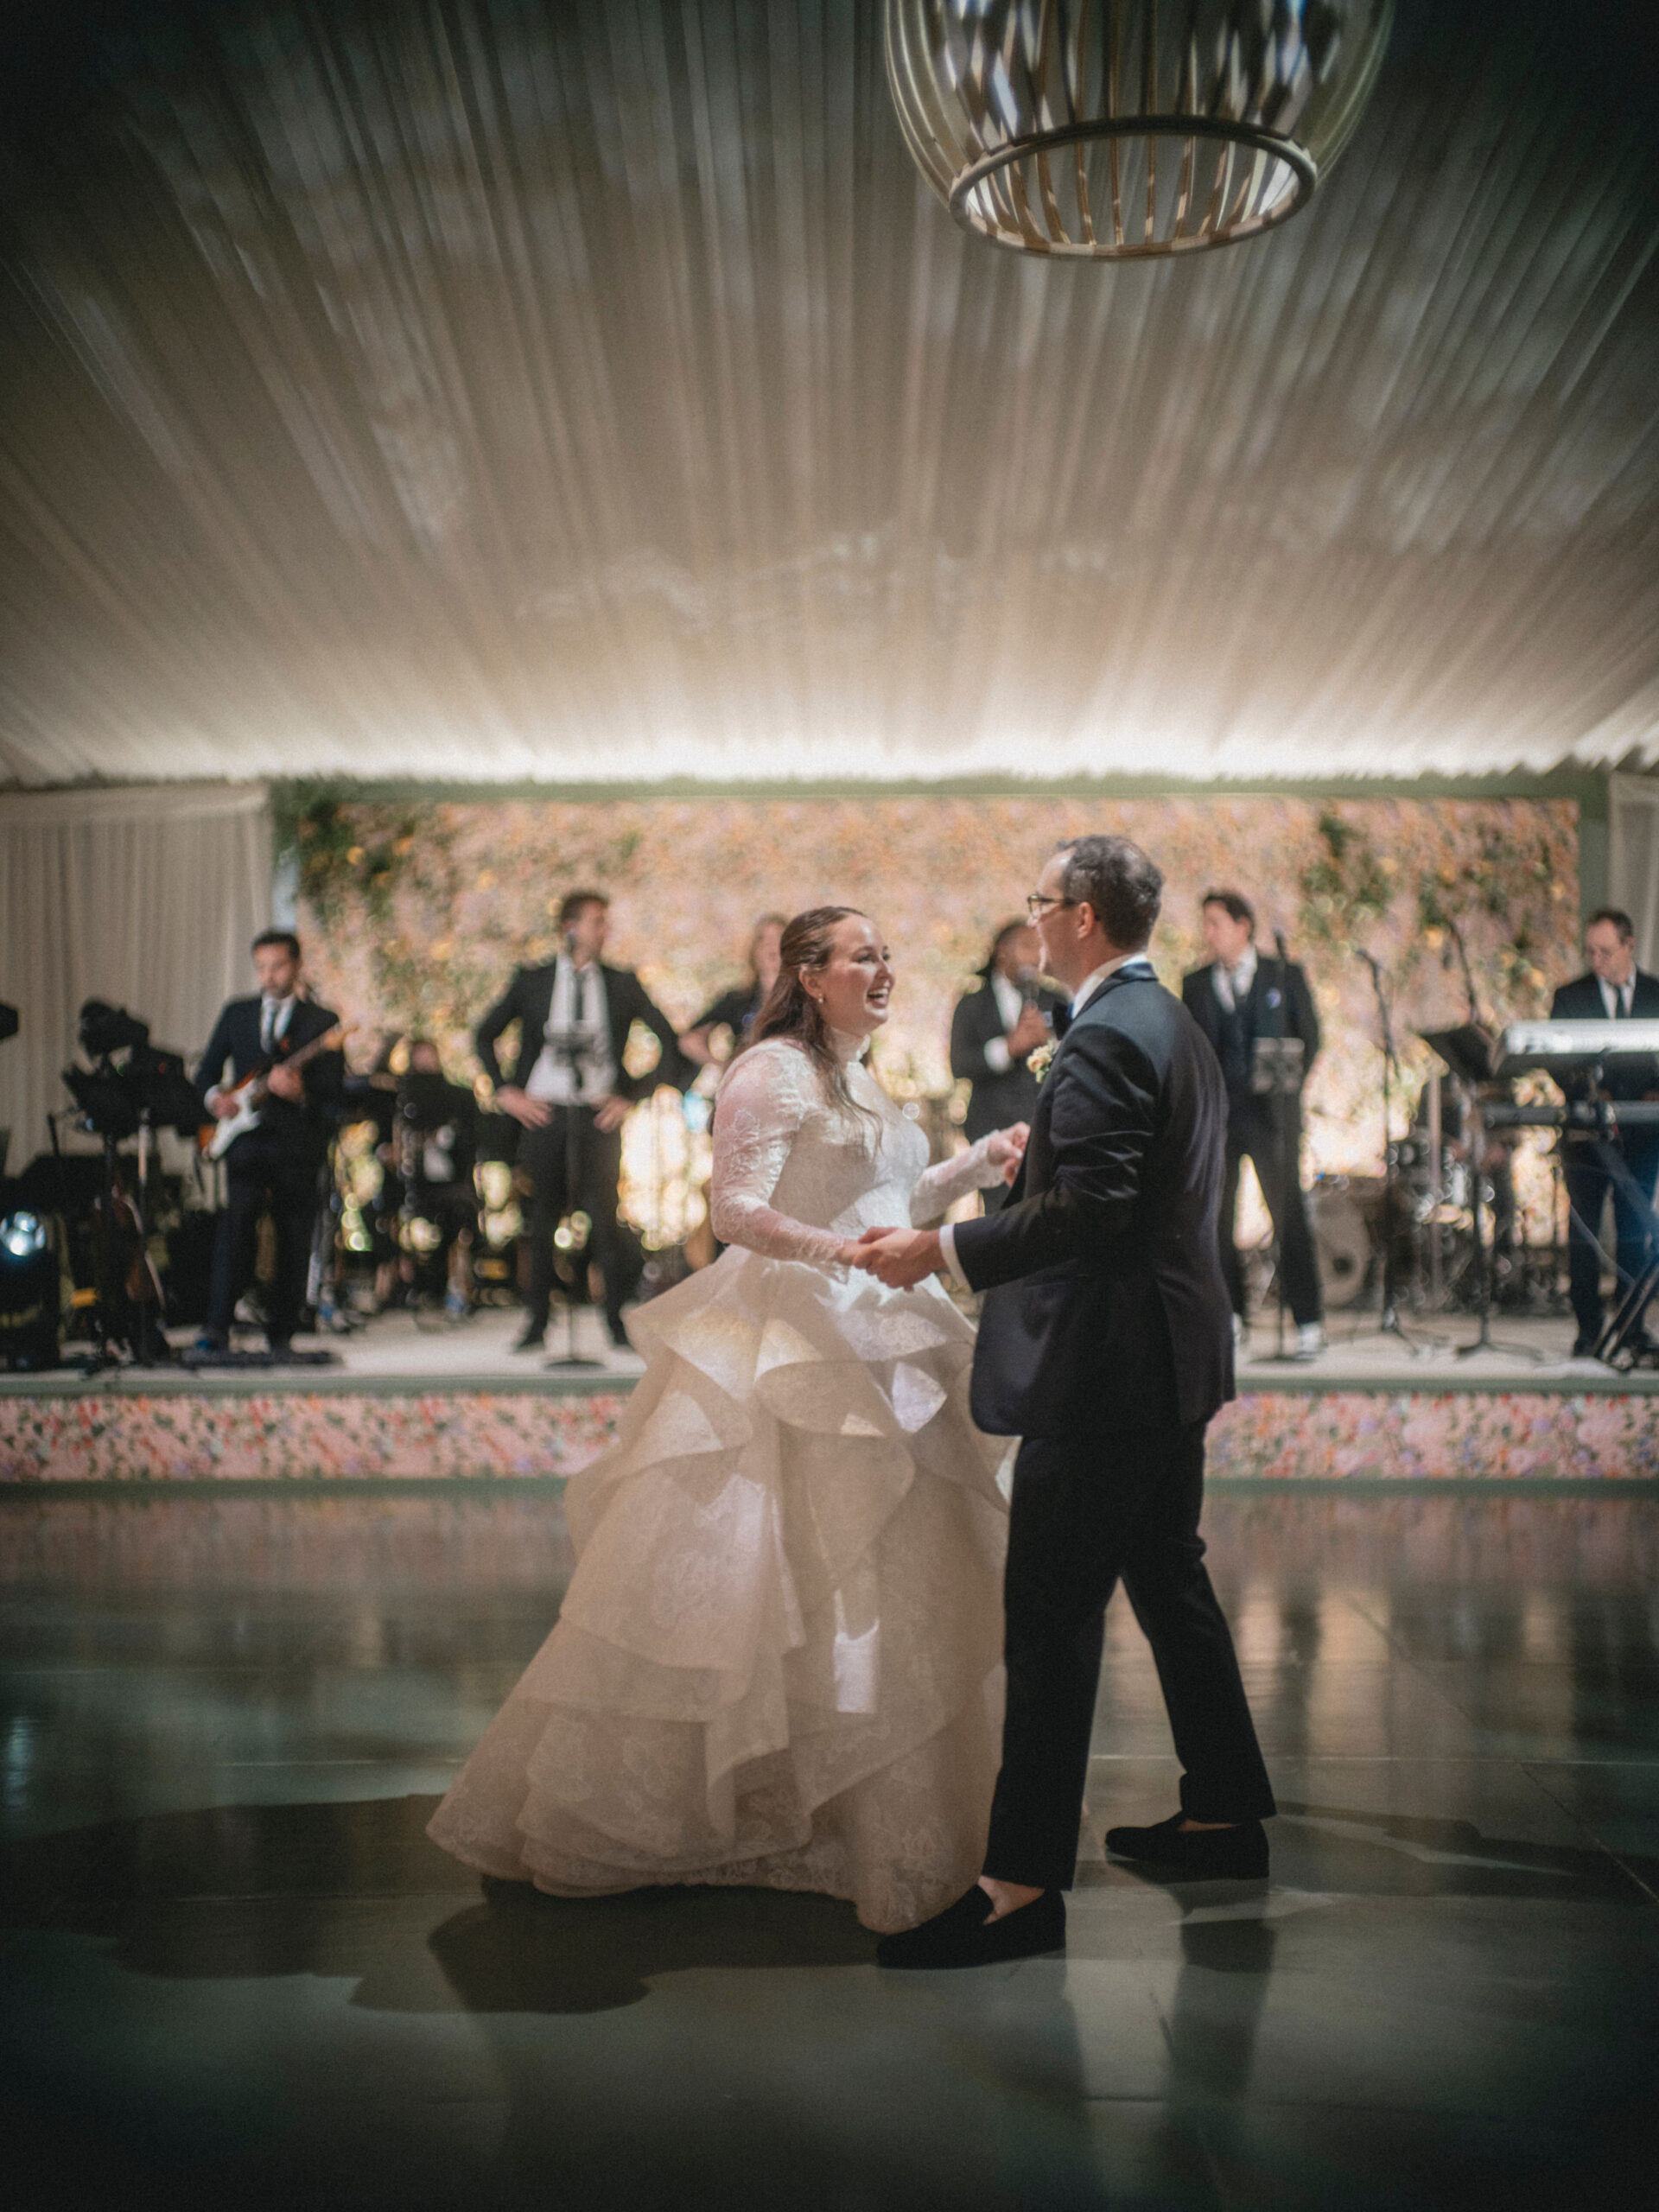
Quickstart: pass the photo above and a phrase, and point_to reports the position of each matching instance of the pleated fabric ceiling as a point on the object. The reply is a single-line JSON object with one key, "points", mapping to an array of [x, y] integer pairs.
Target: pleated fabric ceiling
{"points": [[486, 390]]}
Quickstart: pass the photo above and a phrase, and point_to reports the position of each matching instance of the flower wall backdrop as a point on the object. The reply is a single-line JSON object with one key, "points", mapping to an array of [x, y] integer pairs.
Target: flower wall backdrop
{"points": [[415, 912]]}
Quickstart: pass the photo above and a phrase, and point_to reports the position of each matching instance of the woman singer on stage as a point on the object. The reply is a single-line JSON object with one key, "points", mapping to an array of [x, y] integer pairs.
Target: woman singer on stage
{"points": [[737, 1009], [778, 1662]]}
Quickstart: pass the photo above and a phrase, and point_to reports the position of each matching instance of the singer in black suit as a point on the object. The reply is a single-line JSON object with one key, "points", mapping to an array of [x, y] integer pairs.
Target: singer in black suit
{"points": [[1236, 997], [276, 1167], [1106, 1345], [573, 1016], [994, 1030], [1614, 990]]}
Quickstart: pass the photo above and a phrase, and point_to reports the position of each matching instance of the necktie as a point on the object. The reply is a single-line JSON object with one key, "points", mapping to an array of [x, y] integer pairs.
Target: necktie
{"points": [[268, 1025]]}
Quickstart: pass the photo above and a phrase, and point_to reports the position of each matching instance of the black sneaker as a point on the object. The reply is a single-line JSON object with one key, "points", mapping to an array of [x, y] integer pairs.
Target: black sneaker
{"points": [[1238, 1854], [533, 1340]]}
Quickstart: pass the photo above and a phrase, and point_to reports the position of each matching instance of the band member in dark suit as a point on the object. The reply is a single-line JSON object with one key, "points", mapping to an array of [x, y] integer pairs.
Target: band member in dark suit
{"points": [[994, 1032], [1615, 989], [573, 1016], [1236, 997], [735, 1009], [433, 1150], [276, 1165], [1106, 1345]]}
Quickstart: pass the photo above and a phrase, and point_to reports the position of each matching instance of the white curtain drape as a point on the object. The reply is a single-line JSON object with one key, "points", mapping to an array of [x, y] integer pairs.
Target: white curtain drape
{"points": [[146, 898], [1633, 858]]}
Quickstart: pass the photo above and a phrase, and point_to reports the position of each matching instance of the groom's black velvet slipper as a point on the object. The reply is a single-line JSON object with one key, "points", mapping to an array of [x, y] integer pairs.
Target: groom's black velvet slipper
{"points": [[964, 1934]]}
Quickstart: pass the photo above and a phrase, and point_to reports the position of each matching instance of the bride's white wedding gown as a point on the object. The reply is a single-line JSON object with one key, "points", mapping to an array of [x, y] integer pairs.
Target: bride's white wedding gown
{"points": [[779, 1659]]}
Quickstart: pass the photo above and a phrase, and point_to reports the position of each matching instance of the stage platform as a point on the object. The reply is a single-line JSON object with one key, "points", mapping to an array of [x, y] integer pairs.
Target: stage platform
{"points": [[401, 1402]]}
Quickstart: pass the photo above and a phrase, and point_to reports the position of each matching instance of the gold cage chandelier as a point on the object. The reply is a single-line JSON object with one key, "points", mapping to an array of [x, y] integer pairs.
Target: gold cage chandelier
{"points": [[1114, 129]]}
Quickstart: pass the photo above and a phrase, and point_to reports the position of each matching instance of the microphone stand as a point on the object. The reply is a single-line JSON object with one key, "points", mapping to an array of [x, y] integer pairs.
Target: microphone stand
{"points": [[569, 1047], [1390, 1324], [1274, 1073]]}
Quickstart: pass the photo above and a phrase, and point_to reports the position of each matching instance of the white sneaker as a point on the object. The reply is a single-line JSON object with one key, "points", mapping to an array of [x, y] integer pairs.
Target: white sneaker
{"points": [[1310, 1340]]}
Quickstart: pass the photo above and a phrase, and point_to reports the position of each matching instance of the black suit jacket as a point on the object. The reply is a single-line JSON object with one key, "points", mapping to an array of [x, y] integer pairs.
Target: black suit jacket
{"points": [[1107, 1301], [236, 1040], [1581, 1001], [527, 999], [1267, 1013], [997, 1098]]}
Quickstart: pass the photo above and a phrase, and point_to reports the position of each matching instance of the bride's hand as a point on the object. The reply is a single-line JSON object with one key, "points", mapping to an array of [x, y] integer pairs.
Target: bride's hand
{"points": [[855, 1254]]}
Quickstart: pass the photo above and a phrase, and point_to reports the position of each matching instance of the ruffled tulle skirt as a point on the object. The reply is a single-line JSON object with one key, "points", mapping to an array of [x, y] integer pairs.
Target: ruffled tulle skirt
{"points": [[779, 1659]]}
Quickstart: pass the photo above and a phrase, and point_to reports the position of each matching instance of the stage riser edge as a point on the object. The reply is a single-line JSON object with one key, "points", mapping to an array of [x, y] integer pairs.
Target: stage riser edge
{"points": [[125, 1435]]}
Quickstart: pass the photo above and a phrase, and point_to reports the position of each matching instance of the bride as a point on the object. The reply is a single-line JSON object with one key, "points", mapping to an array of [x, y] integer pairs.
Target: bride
{"points": [[778, 1662]]}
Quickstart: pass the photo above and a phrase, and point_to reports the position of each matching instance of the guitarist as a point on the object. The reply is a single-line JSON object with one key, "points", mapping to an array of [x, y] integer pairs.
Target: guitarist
{"points": [[277, 1163]]}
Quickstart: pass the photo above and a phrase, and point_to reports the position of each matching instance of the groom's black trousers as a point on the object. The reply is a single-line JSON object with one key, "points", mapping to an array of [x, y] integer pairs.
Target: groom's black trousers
{"points": [[1089, 1511]]}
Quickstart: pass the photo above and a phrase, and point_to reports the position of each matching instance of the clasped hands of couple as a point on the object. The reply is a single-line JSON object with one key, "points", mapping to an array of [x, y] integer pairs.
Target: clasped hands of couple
{"points": [[902, 1257]]}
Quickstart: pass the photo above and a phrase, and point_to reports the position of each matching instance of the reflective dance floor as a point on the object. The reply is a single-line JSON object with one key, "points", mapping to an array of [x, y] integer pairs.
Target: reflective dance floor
{"points": [[235, 1973]]}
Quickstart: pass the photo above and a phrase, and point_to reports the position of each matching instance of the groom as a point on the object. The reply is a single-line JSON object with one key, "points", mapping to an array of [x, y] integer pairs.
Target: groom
{"points": [[1106, 1345]]}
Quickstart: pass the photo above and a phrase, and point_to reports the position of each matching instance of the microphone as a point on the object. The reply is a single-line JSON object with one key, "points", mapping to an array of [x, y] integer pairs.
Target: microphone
{"points": [[1026, 979], [1279, 946]]}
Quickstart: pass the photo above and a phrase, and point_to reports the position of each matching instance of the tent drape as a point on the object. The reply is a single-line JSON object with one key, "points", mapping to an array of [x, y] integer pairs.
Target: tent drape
{"points": [[498, 389], [1633, 859], [145, 898]]}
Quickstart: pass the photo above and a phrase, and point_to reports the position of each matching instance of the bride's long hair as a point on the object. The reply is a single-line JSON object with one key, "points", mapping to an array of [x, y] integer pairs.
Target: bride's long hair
{"points": [[791, 1010]]}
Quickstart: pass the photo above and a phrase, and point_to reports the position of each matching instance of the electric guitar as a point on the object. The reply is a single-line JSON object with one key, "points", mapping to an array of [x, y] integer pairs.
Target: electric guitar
{"points": [[214, 1139]]}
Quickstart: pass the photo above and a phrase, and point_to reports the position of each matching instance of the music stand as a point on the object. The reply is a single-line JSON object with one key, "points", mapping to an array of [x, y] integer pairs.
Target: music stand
{"points": [[1276, 1073], [1390, 1324], [1471, 1054]]}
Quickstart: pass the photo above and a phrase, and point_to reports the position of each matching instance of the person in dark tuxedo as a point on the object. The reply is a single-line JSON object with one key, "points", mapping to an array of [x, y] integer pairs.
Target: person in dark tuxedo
{"points": [[1236, 997], [734, 1010], [433, 1151], [1615, 989], [994, 1030], [276, 1165], [1106, 1345], [573, 1016]]}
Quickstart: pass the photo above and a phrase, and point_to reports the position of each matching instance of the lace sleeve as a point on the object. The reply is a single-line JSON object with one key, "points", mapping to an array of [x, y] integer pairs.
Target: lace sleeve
{"points": [[762, 1103], [939, 1187]]}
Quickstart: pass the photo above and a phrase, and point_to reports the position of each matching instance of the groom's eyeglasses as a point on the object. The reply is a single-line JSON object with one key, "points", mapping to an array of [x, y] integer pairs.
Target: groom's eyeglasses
{"points": [[1037, 903]]}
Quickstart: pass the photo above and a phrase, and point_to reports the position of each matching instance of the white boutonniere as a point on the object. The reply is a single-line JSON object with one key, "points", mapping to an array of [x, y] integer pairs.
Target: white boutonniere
{"points": [[1039, 1062]]}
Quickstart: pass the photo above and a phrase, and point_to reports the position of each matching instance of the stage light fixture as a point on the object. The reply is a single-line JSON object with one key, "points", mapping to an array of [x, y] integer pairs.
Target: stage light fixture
{"points": [[1118, 130], [22, 1235], [30, 1294]]}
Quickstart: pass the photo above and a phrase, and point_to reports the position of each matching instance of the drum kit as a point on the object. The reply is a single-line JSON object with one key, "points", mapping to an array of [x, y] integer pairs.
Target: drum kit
{"points": [[1463, 1238]]}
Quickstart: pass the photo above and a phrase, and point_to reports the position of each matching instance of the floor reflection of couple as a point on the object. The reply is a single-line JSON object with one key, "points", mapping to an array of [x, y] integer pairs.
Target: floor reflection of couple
{"points": [[1031, 2090], [777, 1662]]}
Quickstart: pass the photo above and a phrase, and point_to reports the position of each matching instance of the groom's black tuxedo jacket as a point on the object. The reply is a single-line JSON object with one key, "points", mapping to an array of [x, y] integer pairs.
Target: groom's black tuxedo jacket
{"points": [[1107, 1301]]}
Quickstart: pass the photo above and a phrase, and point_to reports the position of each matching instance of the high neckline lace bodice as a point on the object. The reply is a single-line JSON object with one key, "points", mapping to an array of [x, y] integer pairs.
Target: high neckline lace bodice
{"points": [[797, 1176], [847, 1047]]}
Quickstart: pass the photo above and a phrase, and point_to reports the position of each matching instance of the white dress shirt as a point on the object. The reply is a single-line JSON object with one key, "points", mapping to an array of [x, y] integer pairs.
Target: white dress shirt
{"points": [[1080, 999], [578, 1015], [1010, 1004], [1233, 984], [275, 1015], [1617, 997]]}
